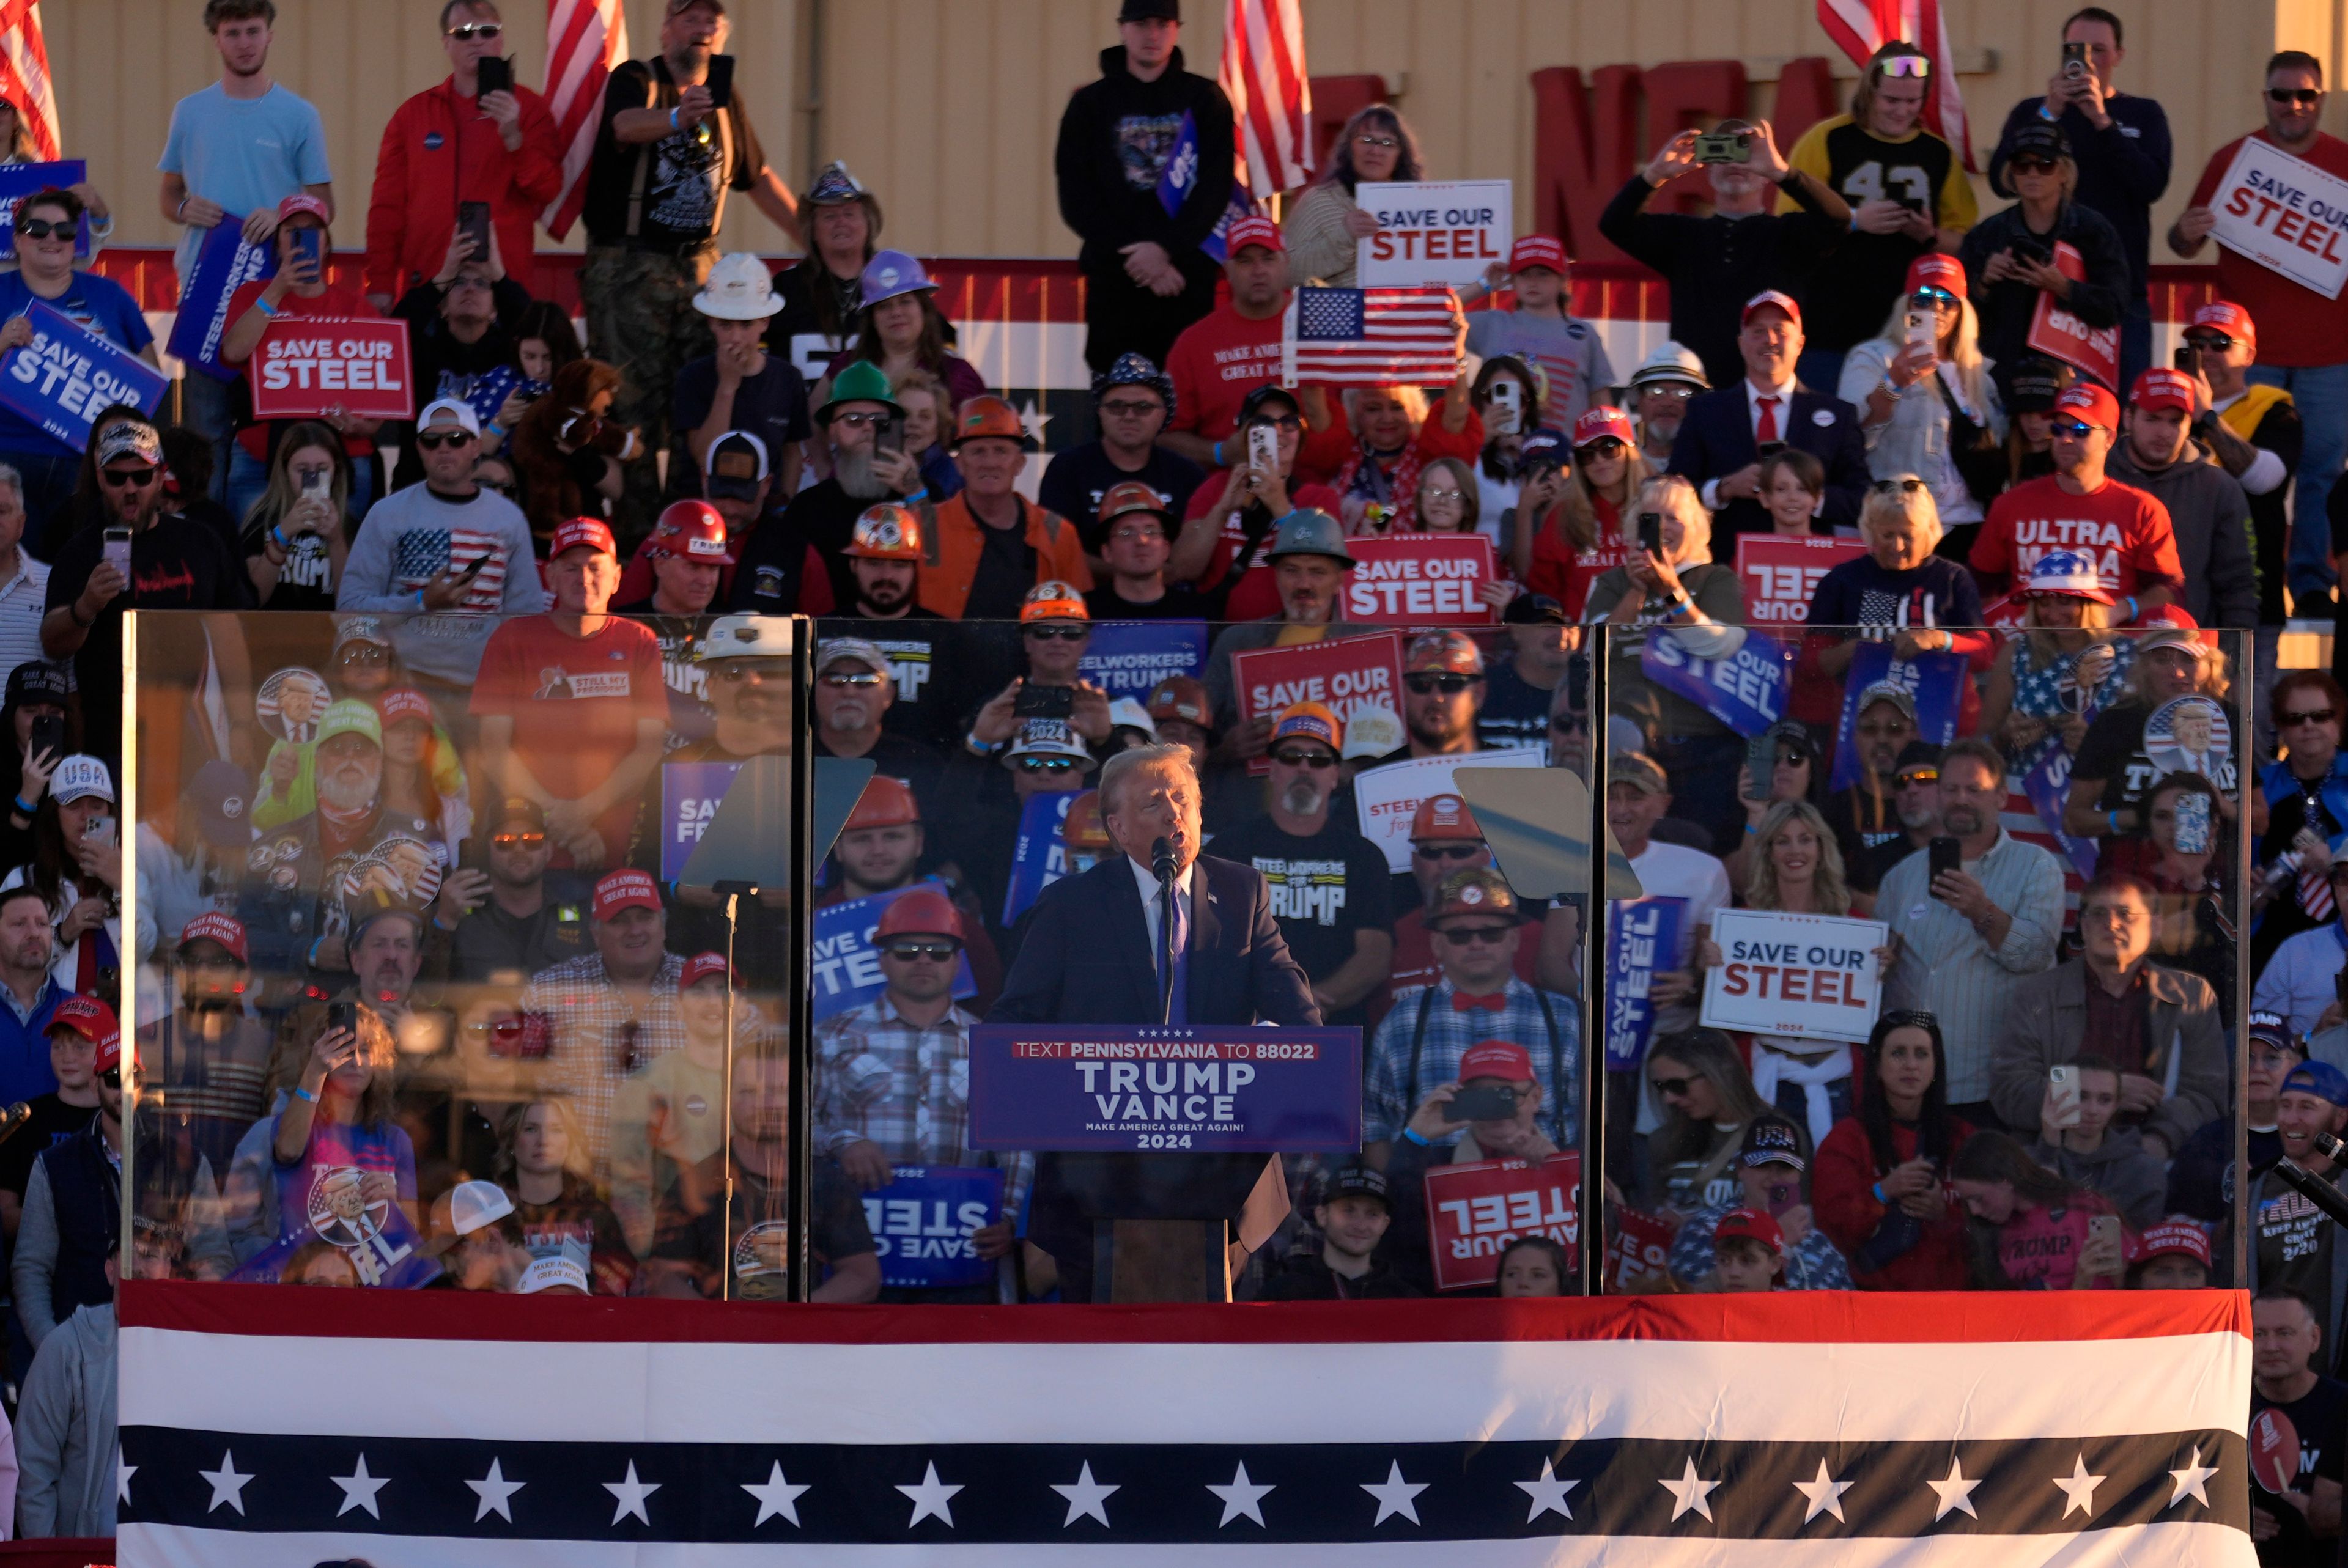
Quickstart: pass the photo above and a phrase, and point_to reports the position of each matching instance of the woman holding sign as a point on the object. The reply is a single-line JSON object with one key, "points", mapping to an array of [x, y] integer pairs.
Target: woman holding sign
{"points": [[1324, 224], [1389, 434], [2044, 254]]}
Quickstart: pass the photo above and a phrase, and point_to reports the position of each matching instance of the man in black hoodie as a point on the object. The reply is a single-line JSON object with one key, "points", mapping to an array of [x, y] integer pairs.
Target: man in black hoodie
{"points": [[1145, 277]]}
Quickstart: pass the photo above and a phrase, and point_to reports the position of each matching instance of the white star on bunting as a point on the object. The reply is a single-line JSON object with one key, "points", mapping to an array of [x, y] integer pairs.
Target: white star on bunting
{"points": [[931, 1499], [496, 1493], [2078, 1488], [775, 1496], [1955, 1493], [1241, 1500], [359, 1489], [122, 1474], [1085, 1497], [1689, 1492], [227, 1485], [629, 1496], [1395, 1495], [1825, 1494], [2192, 1481], [1548, 1493]]}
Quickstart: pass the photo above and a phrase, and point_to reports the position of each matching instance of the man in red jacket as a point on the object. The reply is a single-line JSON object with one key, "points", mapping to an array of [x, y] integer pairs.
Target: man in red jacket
{"points": [[454, 143]]}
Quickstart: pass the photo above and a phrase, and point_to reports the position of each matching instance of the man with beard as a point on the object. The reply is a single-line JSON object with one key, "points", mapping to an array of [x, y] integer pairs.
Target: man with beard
{"points": [[822, 518], [853, 691], [2294, 1247], [208, 1057], [460, 327], [291, 903], [1309, 563], [884, 558], [1660, 389], [1916, 801], [1864, 812], [533, 918], [1328, 883], [879, 851], [27, 947], [1443, 690]]}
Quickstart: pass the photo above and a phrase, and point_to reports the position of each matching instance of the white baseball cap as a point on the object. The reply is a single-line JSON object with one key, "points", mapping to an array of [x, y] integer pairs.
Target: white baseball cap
{"points": [[548, 1272], [459, 411], [472, 1204], [80, 776], [741, 289]]}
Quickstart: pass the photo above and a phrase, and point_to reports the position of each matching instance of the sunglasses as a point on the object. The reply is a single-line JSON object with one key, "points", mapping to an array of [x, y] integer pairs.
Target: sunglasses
{"points": [[2071, 429], [519, 840], [1388, 142], [111, 1078], [908, 951], [2209, 342], [1791, 759], [1925, 299], [1447, 851], [2312, 716], [1467, 936], [1058, 633], [1422, 682], [1277, 422], [1298, 757], [433, 440], [43, 228], [867, 679], [1916, 67], [2288, 96], [1045, 764], [1131, 407], [2031, 165], [1604, 446], [466, 32], [1569, 724], [1669, 1087], [131, 478], [875, 420], [1892, 486], [1678, 390], [1921, 777]]}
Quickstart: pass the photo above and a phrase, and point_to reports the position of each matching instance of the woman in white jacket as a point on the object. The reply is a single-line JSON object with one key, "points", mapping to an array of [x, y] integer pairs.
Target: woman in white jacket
{"points": [[1924, 394]]}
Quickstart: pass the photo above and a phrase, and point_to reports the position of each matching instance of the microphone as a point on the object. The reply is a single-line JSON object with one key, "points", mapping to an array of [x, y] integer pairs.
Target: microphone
{"points": [[2328, 1146], [2314, 1189], [13, 1120], [1161, 858]]}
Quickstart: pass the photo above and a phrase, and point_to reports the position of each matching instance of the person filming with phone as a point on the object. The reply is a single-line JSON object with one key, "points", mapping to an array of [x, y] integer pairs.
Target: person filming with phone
{"points": [[298, 534], [1773, 1178], [2010, 257]]}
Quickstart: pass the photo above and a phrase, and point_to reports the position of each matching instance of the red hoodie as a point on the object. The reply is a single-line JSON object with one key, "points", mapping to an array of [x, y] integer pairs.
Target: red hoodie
{"points": [[1842, 1196], [417, 185]]}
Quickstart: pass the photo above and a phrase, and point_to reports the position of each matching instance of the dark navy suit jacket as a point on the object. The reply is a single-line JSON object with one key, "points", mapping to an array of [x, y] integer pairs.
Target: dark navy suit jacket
{"points": [[1716, 439]]}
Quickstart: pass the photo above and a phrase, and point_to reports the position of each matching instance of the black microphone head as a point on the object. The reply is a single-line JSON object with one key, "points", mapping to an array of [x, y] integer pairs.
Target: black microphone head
{"points": [[1161, 857]]}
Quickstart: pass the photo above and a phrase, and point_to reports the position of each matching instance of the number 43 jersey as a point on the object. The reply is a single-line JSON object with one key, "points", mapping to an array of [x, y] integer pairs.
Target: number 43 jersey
{"points": [[1850, 295]]}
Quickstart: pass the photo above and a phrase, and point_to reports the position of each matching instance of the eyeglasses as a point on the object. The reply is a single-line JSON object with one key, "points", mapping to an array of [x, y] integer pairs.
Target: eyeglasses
{"points": [[1277, 422], [738, 671], [433, 440], [860, 418], [906, 952], [1422, 682], [1132, 532], [2031, 165], [519, 840], [1441, 496], [1466, 936], [1301, 757], [1927, 299], [1670, 1088], [43, 229], [1058, 633], [2285, 96], [1447, 851], [466, 32], [1045, 764], [2209, 342], [1388, 142], [866, 677], [1916, 67], [1130, 407], [1897, 486], [130, 478], [2312, 716], [2070, 429]]}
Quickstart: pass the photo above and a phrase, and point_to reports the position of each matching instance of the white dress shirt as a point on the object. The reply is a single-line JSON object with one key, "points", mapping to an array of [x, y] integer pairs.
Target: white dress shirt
{"points": [[1146, 880], [1754, 393]]}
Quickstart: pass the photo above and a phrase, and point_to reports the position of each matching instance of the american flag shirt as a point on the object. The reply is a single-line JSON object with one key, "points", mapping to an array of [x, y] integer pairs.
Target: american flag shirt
{"points": [[423, 554]]}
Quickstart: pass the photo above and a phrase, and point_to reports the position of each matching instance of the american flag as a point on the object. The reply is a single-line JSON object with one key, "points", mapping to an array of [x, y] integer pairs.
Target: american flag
{"points": [[1370, 337], [1798, 1429], [1860, 28], [422, 554], [1271, 98], [24, 72], [585, 39]]}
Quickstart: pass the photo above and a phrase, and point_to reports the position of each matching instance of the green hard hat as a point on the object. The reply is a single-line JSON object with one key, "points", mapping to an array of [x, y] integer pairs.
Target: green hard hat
{"points": [[860, 381]]}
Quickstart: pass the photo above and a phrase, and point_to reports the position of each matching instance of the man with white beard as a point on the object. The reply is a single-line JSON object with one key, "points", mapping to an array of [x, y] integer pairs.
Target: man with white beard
{"points": [[293, 900], [1329, 884], [823, 516]]}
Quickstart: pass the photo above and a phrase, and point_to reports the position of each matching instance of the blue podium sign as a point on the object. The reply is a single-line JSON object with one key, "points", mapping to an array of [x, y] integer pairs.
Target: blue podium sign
{"points": [[921, 1223], [1100, 1089]]}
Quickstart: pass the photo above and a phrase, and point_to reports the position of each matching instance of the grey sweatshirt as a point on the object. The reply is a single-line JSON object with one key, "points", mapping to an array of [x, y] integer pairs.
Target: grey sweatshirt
{"points": [[381, 578], [67, 1449], [2121, 1169], [2211, 518]]}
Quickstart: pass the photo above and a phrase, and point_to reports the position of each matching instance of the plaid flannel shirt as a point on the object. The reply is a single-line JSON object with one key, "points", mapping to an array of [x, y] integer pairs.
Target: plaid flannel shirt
{"points": [[907, 1088], [1389, 1094], [598, 1040]]}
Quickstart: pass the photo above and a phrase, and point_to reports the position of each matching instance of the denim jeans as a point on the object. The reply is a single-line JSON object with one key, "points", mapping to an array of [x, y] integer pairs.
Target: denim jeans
{"points": [[206, 409], [2321, 391]]}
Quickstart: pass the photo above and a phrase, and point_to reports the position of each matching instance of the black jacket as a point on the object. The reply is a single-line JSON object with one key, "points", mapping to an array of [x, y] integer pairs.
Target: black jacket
{"points": [[2005, 308], [1716, 439], [1714, 264], [2123, 170], [1305, 1277], [1107, 209]]}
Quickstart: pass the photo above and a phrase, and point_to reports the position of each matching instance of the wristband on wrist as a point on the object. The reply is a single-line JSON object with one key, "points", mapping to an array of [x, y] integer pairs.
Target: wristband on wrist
{"points": [[494, 429], [181, 210], [1879, 1197], [23, 808], [2131, 606], [1218, 454], [1415, 1136], [673, 124], [261, 302], [2112, 821], [302, 1094], [920, 494]]}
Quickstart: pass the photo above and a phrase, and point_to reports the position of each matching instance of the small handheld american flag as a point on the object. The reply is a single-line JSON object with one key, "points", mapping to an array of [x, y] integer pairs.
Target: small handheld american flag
{"points": [[1370, 337]]}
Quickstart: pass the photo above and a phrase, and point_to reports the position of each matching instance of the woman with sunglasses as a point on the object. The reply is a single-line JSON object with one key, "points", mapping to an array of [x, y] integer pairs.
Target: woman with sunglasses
{"points": [[1574, 523], [1880, 1188], [1926, 403], [1706, 1098], [1794, 776], [298, 534], [2066, 667], [2298, 808], [2010, 257], [1324, 222]]}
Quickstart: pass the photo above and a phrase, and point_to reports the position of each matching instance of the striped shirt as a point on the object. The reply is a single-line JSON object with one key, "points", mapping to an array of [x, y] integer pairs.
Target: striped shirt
{"points": [[907, 1088], [599, 1039], [21, 597], [1947, 970], [1392, 1089]]}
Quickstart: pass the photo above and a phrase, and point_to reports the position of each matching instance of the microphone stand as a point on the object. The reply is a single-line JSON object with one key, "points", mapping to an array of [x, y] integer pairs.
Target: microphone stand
{"points": [[2314, 1188], [1162, 862]]}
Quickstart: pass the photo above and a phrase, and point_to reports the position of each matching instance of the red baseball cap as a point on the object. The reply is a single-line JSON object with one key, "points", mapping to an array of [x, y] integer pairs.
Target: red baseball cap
{"points": [[1602, 420], [94, 1022], [1444, 816], [1937, 269], [2091, 404], [2174, 1237], [592, 532], [211, 926], [2162, 387], [1751, 1224], [403, 702], [303, 201], [701, 966], [2225, 316], [1767, 297], [1253, 230], [1540, 251], [920, 911], [626, 890], [1502, 1059]]}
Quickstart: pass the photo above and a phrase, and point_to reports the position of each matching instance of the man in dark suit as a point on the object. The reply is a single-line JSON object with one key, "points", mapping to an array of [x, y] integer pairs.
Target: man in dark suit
{"points": [[1727, 433], [1093, 955]]}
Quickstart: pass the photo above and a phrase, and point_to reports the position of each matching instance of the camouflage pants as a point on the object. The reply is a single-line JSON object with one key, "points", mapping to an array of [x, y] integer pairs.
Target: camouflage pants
{"points": [[641, 321]]}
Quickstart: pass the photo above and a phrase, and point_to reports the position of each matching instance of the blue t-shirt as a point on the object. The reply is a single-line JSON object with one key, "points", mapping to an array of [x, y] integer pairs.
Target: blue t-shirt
{"points": [[97, 304], [243, 153]]}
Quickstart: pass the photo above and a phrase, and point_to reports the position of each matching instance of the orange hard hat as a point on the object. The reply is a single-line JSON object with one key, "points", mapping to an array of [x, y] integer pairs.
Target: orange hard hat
{"points": [[887, 532], [1132, 495], [1053, 600], [989, 415], [1082, 829], [1444, 816], [885, 803], [920, 911]]}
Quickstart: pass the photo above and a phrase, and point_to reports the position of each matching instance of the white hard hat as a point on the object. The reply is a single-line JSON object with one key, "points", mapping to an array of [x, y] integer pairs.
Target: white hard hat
{"points": [[741, 289], [745, 637], [1127, 713], [1669, 362]]}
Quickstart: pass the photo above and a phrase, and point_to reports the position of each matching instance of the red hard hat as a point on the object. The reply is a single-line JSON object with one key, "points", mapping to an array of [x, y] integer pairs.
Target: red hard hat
{"points": [[693, 531], [989, 415], [923, 911], [885, 803]]}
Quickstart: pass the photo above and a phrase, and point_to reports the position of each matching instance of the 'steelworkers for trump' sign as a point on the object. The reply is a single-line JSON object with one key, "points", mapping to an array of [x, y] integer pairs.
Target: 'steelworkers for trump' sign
{"points": [[225, 262], [1810, 975], [1432, 231], [2285, 214], [1349, 676], [307, 365], [62, 378], [1780, 573], [1128, 658], [1474, 1211], [1387, 797], [1420, 579]]}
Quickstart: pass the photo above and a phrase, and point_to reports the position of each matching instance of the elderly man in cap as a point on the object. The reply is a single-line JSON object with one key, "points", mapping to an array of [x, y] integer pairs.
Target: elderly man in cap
{"points": [[985, 548], [741, 387], [1133, 404], [823, 516], [1309, 562], [1659, 391], [917, 1034], [573, 704], [1227, 537], [1443, 690], [1424, 1044], [1146, 278], [1053, 629], [1328, 883], [840, 225], [614, 1009], [1521, 688], [176, 563], [854, 689], [1136, 531], [1222, 359]]}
